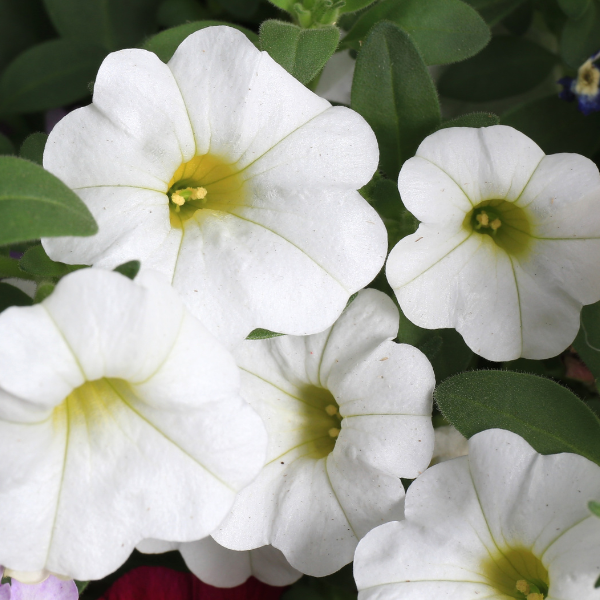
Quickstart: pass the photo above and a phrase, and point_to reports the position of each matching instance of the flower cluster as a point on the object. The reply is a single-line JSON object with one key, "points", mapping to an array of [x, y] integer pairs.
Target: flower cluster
{"points": [[145, 413]]}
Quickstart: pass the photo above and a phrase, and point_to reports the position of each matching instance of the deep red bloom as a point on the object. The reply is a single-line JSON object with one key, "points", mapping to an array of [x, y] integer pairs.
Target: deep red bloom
{"points": [[160, 583]]}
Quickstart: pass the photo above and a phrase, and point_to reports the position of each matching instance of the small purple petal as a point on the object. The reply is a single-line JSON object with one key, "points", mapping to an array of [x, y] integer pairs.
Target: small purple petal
{"points": [[50, 589], [5, 591]]}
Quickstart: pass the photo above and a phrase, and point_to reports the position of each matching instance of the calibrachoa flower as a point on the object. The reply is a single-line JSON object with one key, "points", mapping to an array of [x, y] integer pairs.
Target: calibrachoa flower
{"points": [[585, 87], [221, 567], [449, 443], [48, 588], [120, 419], [225, 173], [504, 522], [508, 250], [348, 413]]}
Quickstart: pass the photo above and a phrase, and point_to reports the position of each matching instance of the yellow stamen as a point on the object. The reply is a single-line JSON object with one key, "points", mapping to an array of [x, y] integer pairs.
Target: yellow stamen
{"points": [[483, 219], [495, 224], [523, 586], [177, 199], [334, 432], [588, 79], [198, 193], [331, 410]]}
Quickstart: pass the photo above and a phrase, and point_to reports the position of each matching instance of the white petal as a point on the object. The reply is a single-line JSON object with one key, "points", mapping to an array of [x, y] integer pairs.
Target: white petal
{"points": [[449, 444], [240, 101], [133, 225], [486, 163], [220, 567], [152, 546], [335, 82], [136, 133]]}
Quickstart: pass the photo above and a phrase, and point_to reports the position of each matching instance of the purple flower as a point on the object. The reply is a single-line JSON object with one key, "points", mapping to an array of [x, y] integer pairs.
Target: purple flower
{"points": [[52, 588], [585, 87]]}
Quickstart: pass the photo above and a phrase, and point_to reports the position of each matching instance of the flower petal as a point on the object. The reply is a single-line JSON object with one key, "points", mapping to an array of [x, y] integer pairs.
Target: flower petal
{"points": [[486, 163], [50, 589], [136, 133]]}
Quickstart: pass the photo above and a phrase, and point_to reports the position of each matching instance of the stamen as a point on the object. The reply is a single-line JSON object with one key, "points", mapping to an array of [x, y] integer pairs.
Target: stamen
{"points": [[331, 410], [523, 586], [588, 79], [180, 197], [334, 432], [483, 219], [495, 224]]}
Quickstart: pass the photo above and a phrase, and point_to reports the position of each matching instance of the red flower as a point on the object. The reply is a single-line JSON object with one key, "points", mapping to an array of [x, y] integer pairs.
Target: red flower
{"points": [[160, 583]]}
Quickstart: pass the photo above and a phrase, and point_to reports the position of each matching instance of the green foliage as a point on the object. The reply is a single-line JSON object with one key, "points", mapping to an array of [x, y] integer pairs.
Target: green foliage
{"points": [[354, 5], [36, 262], [49, 75], [33, 147], [519, 21], [171, 13], [545, 414], [111, 24], [393, 91], [580, 38], [506, 67], [129, 269], [12, 296], [476, 119], [574, 8], [301, 52], [594, 507], [165, 43], [493, 11], [556, 125], [242, 9], [262, 334], [6, 146], [587, 342], [339, 586], [44, 289], [445, 31], [34, 204], [384, 197]]}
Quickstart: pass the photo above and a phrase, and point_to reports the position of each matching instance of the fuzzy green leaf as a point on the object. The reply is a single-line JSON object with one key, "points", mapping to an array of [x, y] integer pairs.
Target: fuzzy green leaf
{"points": [[301, 52], [493, 11], [506, 67], [6, 146], [354, 5], [33, 147], [36, 262], [262, 334], [548, 416], [580, 39], [574, 8], [129, 269], [49, 75], [587, 342], [445, 31], [476, 119], [394, 92], [165, 43], [34, 204]]}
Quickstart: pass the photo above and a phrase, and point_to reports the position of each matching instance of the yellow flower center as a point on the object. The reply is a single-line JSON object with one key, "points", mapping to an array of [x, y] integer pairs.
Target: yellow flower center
{"points": [[321, 421], [517, 573], [507, 225], [588, 79], [204, 183]]}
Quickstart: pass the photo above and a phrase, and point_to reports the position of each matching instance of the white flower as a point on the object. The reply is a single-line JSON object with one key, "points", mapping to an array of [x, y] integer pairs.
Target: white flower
{"points": [[504, 522], [220, 567], [508, 250], [120, 419], [225, 173], [335, 82], [449, 443], [348, 413]]}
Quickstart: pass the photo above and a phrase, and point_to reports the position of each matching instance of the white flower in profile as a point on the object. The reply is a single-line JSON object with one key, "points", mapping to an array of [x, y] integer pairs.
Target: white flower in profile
{"points": [[508, 249], [504, 522], [348, 412], [225, 173], [120, 419], [223, 568]]}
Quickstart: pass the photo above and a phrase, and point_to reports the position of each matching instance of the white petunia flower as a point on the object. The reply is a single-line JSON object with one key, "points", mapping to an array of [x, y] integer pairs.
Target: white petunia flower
{"points": [[508, 250], [225, 173], [504, 522], [120, 419], [348, 414], [220, 567], [449, 443]]}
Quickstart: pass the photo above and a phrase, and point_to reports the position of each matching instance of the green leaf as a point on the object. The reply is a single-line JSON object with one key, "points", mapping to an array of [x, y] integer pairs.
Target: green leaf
{"points": [[242, 9], [445, 31], [393, 90], [262, 334], [579, 39], [506, 67], [171, 13], [129, 269], [9, 267], [383, 195], [33, 147], [49, 75], [34, 204], [519, 21], [594, 507], [36, 262], [556, 125], [493, 11], [44, 289], [545, 414], [81, 585], [286, 5], [354, 5], [165, 43], [587, 342], [112, 24], [475, 119], [12, 296], [6, 146], [574, 8], [301, 52]]}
